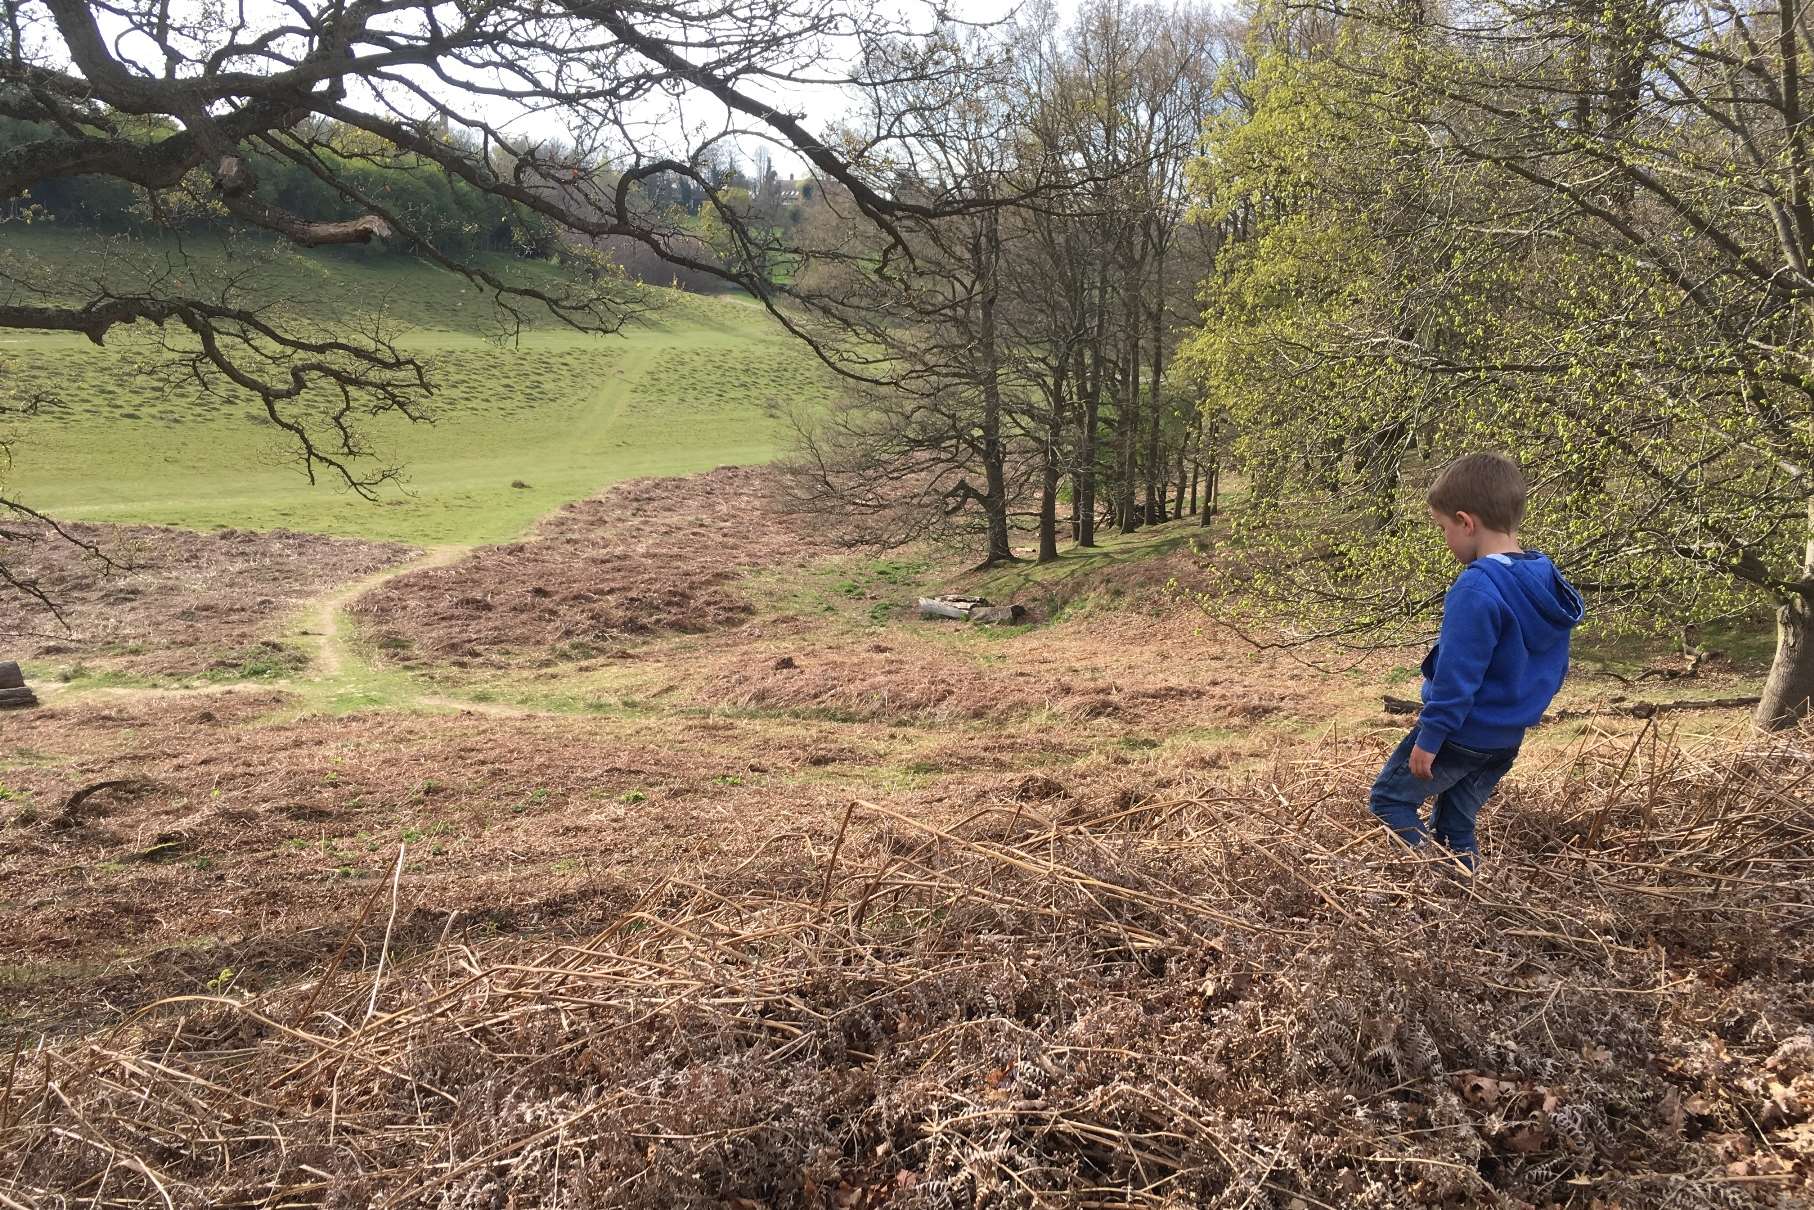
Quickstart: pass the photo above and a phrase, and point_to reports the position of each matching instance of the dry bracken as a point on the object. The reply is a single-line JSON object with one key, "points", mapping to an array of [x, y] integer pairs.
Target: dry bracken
{"points": [[1236, 994]]}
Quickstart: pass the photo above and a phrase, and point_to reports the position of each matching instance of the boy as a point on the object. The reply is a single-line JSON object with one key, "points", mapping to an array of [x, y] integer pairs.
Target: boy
{"points": [[1499, 660]]}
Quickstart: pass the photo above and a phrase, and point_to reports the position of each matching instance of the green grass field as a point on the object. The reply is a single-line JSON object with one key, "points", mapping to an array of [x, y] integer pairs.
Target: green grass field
{"points": [[701, 383]]}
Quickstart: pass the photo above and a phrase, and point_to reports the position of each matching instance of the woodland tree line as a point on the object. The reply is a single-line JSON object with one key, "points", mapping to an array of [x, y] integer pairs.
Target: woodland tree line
{"points": [[1326, 248], [439, 212], [1029, 346], [1078, 274]]}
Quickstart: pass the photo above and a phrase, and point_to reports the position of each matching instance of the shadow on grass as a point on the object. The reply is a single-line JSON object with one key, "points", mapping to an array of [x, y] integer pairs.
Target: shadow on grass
{"points": [[1079, 570], [1745, 646]]}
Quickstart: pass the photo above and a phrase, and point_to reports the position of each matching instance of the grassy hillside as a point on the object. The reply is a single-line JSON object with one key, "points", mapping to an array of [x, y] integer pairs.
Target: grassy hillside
{"points": [[701, 383]]}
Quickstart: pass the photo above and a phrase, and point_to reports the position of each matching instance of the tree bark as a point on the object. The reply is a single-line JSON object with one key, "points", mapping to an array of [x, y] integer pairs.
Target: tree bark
{"points": [[1048, 488], [1127, 429], [1212, 482], [1086, 438], [995, 502], [1790, 686], [1177, 513], [1212, 472], [1155, 464]]}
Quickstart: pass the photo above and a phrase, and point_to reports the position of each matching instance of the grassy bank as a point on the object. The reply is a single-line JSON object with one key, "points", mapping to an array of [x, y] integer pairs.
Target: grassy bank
{"points": [[517, 427]]}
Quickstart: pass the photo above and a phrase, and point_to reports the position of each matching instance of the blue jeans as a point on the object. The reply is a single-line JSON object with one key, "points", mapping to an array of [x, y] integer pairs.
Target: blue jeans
{"points": [[1463, 780]]}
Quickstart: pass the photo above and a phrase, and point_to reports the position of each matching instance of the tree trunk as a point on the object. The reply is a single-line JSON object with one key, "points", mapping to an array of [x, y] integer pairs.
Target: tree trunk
{"points": [[1048, 510], [1086, 468], [1212, 473], [1791, 683], [1799, 205], [1212, 466], [1155, 463], [1048, 488], [1177, 513], [1127, 431], [1787, 692], [1212, 482], [995, 502], [996, 505], [1086, 439]]}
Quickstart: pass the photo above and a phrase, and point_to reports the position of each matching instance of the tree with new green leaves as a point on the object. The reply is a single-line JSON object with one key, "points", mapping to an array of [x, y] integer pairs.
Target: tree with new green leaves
{"points": [[1578, 236]]}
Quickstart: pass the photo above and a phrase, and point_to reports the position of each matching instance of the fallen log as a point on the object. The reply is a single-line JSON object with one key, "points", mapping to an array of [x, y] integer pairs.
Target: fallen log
{"points": [[1400, 705], [1652, 709], [10, 675], [970, 609], [956, 608], [16, 699]]}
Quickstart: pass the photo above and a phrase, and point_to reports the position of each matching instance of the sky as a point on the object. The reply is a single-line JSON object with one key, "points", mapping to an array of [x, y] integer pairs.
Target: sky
{"points": [[820, 105], [823, 105]]}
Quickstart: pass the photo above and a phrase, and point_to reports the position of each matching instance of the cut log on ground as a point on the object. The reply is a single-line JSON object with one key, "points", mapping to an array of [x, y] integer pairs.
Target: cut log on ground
{"points": [[15, 699], [956, 608], [970, 609], [10, 675]]}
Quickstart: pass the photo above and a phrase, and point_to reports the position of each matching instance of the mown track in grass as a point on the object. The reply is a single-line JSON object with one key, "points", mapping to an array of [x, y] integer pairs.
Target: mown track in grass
{"points": [[519, 428]]}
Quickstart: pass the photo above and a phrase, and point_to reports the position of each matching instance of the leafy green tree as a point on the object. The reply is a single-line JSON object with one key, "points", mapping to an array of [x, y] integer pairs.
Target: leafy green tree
{"points": [[1582, 239]]}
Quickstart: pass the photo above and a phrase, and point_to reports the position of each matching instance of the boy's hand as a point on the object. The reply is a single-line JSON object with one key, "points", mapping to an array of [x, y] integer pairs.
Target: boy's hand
{"points": [[1423, 764]]}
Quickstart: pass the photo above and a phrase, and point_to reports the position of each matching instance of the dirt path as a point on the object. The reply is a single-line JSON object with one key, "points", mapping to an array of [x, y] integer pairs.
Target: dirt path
{"points": [[323, 620], [320, 628], [323, 617]]}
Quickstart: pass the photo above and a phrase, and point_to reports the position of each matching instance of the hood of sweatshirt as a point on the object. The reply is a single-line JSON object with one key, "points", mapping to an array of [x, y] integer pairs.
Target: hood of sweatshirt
{"points": [[1547, 606]]}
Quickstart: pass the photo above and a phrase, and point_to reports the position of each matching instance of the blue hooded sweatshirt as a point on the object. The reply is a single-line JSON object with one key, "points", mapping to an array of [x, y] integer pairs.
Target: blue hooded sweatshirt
{"points": [[1502, 652]]}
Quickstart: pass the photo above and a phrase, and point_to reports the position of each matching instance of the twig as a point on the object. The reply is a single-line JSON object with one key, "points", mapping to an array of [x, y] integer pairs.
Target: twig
{"points": [[67, 815], [6, 1097], [831, 863], [371, 1006], [339, 954]]}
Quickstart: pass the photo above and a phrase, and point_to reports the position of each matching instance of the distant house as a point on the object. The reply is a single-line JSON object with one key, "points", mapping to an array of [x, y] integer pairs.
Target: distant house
{"points": [[795, 192]]}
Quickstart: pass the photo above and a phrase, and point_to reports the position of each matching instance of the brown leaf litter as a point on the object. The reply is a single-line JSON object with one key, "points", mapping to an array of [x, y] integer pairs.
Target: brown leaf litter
{"points": [[652, 556], [1231, 993], [179, 603]]}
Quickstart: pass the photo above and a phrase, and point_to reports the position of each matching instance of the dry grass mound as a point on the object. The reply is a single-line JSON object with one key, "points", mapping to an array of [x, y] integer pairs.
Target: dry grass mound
{"points": [[1234, 996], [925, 685], [652, 556], [181, 603], [1158, 672], [173, 824]]}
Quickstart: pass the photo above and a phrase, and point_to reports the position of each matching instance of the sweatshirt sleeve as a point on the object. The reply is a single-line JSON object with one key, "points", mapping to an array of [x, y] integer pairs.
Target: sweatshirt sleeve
{"points": [[1470, 633]]}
